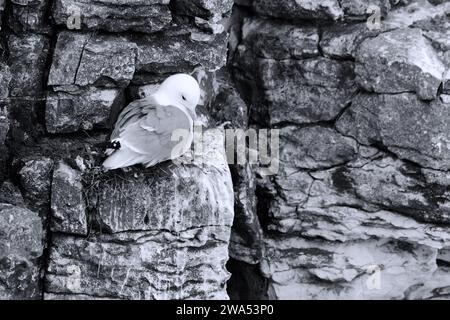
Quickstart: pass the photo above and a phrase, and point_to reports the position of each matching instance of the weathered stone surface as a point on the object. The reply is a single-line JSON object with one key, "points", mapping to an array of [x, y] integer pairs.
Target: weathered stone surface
{"points": [[399, 61], [35, 181], [141, 265], [114, 16], [362, 9], [306, 91], [27, 61], [4, 124], [67, 202], [315, 147], [245, 241], [280, 87], [2, 8], [20, 249], [437, 30], [341, 210], [28, 54], [171, 228], [414, 12], [412, 129], [84, 59], [202, 8], [5, 79], [4, 128], [316, 203], [342, 41], [435, 288], [10, 194], [70, 112], [174, 199], [160, 54], [446, 86], [300, 9], [29, 15], [227, 105], [369, 198], [376, 269], [274, 40]]}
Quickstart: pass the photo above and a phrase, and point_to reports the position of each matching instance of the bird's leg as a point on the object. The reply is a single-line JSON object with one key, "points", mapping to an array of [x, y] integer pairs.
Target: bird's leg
{"points": [[127, 169]]}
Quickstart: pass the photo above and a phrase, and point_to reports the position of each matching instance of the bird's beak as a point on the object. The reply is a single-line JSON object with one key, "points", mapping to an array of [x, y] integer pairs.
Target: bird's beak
{"points": [[192, 113]]}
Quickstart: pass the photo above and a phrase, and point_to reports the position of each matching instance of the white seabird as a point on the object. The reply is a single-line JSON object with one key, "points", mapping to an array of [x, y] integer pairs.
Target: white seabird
{"points": [[145, 130]]}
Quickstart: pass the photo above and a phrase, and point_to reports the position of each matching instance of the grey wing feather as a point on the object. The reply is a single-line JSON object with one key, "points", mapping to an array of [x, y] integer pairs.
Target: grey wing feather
{"points": [[152, 134], [145, 128], [132, 113]]}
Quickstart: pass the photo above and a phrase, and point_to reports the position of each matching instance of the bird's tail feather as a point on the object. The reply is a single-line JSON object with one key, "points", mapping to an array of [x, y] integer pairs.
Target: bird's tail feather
{"points": [[122, 159]]}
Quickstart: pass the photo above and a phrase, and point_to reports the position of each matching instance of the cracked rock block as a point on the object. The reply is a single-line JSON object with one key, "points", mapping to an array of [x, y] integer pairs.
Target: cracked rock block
{"points": [[185, 198], [300, 9], [10, 194], [20, 250], [86, 59], [305, 91], [164, 235], [342, 41], [437, 30], [4, 125], [4, 128], [209, 15], [27, 61], [112, 15], [140, 265], [67, 203], [363, 9], [227, 105], [71, 112], [2, 8], [416, 11], [174, 198], [446, 87], [245, 241], [399, 61], [35, 181], [368, 197], [435, 288], [315, 147], [28, 54], [202, 8], [284, 88], [29, 15], [412, 129], [274, 40], [5, 79], [162, 54], [315, 269]]}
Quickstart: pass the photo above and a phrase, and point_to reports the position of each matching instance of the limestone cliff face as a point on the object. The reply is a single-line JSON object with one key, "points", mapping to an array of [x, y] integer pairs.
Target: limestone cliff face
{"points": [[68, 68], [360, 207]]}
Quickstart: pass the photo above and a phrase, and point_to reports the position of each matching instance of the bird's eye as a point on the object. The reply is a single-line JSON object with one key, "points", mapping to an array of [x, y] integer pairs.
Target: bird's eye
{"points": [[183, 98]]}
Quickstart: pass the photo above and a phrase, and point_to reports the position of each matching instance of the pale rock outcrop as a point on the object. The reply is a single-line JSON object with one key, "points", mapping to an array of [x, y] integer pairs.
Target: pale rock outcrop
{"points": [[113, 16], [162, 233], [20, 250], [68, 205], [412, 129], [399, 61]]}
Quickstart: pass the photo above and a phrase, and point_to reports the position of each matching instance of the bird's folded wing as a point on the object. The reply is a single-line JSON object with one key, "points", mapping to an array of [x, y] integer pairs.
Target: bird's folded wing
{"points": [[132, 113], [150, 133]]}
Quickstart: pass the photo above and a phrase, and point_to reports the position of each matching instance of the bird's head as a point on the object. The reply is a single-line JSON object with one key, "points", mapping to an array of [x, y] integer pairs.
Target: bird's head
{"points": [[181, 89]]}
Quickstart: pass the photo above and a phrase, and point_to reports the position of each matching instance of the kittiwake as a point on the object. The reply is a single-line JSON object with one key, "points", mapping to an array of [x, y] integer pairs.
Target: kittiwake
{"points": [[144, 131]]}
